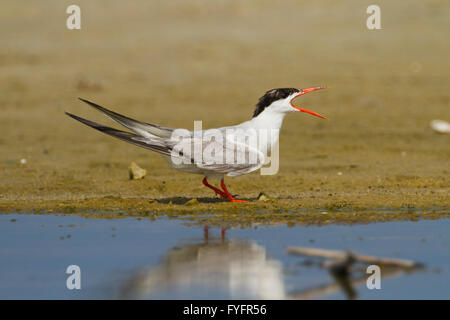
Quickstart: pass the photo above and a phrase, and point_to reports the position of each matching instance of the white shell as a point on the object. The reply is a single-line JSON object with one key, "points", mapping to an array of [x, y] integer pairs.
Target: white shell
{"points": [[440, 126]]}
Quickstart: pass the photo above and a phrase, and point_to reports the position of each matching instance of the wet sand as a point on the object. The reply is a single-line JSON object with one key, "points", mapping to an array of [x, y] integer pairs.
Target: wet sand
{"points": [[174, 63]]}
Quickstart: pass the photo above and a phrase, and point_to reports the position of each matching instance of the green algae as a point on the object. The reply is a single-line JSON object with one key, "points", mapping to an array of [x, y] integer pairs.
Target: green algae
{"points": [[263, 217]]}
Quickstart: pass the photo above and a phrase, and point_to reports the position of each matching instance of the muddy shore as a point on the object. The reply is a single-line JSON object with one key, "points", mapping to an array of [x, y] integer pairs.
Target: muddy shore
{"points": [[376, 154]]}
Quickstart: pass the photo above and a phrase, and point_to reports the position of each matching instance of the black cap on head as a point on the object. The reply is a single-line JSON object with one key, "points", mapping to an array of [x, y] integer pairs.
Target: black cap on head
{"points": [[271, 96]]}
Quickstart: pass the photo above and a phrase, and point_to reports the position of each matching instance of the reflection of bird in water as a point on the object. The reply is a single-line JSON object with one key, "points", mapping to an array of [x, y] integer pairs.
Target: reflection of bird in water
{"points": [[240, 268], [243, 270]]}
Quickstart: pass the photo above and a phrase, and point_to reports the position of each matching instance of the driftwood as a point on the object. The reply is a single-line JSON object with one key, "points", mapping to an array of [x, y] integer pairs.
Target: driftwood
{"points": [[313, 293], [339, 266], [345, 255]]}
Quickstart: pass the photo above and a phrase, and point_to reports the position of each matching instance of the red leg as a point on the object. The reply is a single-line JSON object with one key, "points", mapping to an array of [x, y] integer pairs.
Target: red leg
{"points": [[216, 190], [228, 194], [222, 233], [205, 233]]}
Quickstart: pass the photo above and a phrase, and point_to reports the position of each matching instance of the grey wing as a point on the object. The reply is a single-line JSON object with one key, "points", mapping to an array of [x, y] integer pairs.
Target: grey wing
{"points": [[141, 128], [220, 156], [153, 143]]}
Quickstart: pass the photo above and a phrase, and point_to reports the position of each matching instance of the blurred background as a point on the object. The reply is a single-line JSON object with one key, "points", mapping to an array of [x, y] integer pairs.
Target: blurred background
{"points": [[173, 62]]}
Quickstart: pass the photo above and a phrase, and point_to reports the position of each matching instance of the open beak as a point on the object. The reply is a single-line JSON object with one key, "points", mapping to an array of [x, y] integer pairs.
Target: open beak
{"points": [[304, 91]]}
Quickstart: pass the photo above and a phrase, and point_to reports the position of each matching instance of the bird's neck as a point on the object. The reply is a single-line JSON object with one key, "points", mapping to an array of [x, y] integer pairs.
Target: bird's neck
{"points": [[268, 120], [268, 124]]}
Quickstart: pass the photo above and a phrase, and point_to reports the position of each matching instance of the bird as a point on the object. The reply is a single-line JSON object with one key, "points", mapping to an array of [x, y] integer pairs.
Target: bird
{"points": [[213, 153], [239, 268]]}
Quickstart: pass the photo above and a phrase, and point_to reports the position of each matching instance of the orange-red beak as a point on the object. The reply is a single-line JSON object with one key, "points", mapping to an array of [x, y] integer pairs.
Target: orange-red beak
{"points": [[304, 91]]}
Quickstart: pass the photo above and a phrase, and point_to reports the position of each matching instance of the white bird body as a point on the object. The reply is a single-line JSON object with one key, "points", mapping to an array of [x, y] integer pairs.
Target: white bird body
{"points": [[232, 150]]}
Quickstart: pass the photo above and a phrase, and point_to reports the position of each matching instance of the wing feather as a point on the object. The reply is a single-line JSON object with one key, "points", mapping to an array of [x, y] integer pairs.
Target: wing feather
{"points": [[155, 144], [141, 128], [203, 158]]}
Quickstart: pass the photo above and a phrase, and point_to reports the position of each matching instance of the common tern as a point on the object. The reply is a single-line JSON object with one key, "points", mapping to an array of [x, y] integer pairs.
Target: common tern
{"points": [[232, 150]]}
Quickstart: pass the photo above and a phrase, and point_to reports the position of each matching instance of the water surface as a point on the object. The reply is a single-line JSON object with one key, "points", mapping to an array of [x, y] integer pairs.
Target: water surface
{"points": [[144, 259]]}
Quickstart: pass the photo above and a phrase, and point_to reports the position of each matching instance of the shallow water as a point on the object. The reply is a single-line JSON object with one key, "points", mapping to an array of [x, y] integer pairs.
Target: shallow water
{"points": [[140, 258]]}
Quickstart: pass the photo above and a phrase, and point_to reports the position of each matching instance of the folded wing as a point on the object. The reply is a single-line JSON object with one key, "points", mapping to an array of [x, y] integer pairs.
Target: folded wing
{"points": [[219, 155], [152, 143], [141, 128]]}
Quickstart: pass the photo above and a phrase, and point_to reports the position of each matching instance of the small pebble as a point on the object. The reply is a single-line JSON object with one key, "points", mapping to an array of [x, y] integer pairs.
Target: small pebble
{"points": [[264, 197], [191, 202], [136, 172]]}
